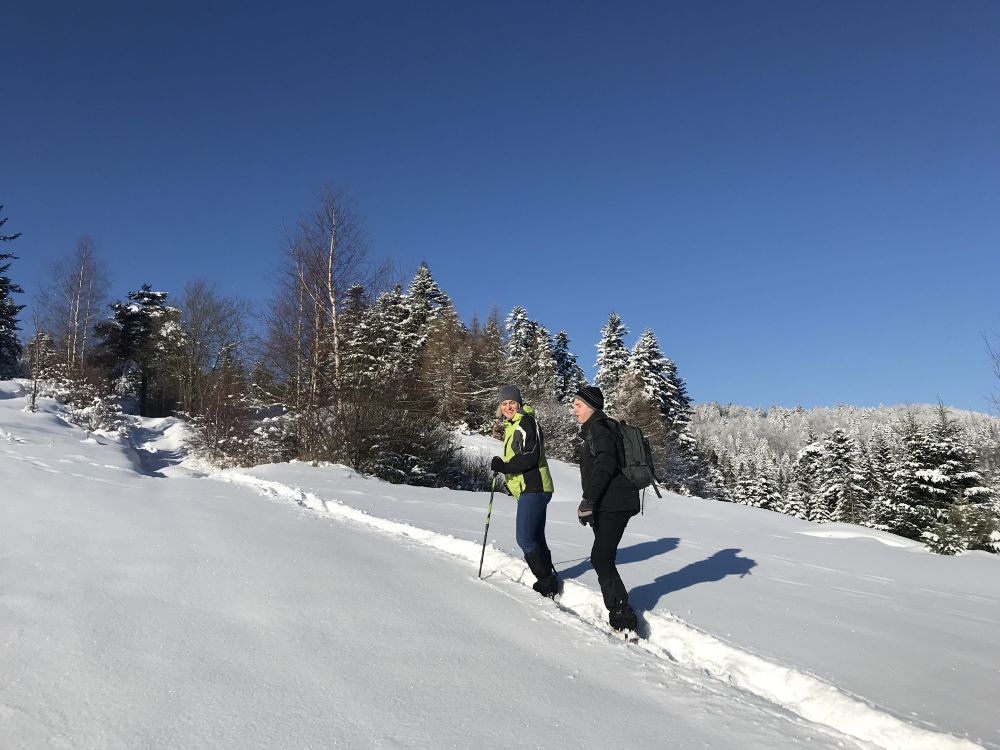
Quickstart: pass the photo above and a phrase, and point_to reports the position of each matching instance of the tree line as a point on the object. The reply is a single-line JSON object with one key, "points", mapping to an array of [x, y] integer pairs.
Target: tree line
{"points": [[919, 472], [348, 367], [345, 367]]}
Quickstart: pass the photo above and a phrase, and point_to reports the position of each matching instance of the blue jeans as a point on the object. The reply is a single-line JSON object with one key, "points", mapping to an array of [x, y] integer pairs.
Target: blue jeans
{"points": [[530, 522]]}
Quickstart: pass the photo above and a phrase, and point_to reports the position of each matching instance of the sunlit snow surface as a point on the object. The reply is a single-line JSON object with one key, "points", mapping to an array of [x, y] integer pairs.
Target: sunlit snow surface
{"points": [[147, 601]]}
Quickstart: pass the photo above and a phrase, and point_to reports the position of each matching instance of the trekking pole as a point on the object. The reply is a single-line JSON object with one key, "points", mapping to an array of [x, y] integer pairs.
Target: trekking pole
{"points": [[489, 512]]}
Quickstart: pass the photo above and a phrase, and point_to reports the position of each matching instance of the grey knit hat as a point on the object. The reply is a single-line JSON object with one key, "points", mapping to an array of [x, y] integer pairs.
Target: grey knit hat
{"points": [[510, 393]]}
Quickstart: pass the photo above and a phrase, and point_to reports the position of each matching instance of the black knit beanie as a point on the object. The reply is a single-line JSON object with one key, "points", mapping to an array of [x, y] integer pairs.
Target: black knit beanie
{"points": [[591, 395]]}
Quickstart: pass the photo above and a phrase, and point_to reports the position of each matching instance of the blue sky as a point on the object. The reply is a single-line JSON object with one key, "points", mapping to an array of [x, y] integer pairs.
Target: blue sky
{"points": [[802, 199]]}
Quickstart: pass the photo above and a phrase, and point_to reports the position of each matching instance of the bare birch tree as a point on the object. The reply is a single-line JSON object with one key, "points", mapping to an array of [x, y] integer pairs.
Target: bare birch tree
{"points": [[215, 329], [325, 255], [73, 302]]}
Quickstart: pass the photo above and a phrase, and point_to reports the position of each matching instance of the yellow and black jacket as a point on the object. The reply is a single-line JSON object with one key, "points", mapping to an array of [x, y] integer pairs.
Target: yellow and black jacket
{"points": [[524, 453]]}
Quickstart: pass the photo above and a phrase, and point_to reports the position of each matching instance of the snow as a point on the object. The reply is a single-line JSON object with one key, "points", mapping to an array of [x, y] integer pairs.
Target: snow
{"points": [[850, 531], [149, 601]]}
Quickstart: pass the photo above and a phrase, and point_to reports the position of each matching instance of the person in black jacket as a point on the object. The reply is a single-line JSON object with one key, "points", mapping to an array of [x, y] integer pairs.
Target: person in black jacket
{"points": [[609, 501]]}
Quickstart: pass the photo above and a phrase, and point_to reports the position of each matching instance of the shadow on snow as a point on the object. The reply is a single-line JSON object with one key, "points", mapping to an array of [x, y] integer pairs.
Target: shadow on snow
{"points": [[635, 553], [724, 563]]}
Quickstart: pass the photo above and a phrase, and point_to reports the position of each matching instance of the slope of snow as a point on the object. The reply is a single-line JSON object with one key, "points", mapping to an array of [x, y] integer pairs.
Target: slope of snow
{"points": [[156, 608]]}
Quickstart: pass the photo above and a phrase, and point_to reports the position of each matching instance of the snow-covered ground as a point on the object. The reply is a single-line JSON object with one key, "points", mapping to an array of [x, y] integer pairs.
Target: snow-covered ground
{"points": [[149, 602]]}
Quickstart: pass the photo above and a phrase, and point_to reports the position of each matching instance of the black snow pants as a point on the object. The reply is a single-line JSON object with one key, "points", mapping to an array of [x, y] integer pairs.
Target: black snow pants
{"points": [[609, 527]]}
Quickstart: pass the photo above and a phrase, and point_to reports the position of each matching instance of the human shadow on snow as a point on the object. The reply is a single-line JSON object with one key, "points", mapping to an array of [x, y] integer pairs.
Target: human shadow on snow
{"points": [[726, 562], [634, 553]]}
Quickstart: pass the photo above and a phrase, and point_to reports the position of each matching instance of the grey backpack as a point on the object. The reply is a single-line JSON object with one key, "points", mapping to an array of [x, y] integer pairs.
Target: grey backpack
{"points": [[635, 456]]}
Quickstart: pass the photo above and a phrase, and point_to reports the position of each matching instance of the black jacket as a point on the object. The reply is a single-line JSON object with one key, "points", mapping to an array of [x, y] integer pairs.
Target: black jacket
{"points": [[600, 468]]}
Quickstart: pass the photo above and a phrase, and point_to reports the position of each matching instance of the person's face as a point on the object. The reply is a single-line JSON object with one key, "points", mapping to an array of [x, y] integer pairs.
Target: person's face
{"points": [[581, 411], [508, 408]]}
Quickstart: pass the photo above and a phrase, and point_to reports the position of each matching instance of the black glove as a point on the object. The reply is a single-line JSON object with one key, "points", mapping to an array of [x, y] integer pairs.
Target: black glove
{"points": [[585, 513], [498, 466]]}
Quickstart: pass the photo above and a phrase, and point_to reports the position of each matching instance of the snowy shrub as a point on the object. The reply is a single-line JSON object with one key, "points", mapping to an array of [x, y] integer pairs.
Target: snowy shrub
{"points": [[101, 414], [85, 405]]}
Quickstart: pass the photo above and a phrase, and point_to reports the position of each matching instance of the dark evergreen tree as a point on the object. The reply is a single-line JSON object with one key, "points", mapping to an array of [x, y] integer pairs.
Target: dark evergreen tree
{"points": [[10, 346], [137, 346]]}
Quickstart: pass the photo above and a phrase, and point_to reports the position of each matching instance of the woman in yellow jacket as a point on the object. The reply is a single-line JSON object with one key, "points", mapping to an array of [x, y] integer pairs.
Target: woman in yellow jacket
{"points": [[529, 481]]}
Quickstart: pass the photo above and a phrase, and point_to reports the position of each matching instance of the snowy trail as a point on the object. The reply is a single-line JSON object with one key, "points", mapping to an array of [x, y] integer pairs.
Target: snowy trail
{"points": [[184, 613], [664, 637]]}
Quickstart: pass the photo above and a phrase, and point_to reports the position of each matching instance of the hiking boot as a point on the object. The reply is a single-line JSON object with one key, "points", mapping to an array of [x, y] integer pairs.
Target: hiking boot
{"points": [[540, 562], [547, 586], [623, 617]]}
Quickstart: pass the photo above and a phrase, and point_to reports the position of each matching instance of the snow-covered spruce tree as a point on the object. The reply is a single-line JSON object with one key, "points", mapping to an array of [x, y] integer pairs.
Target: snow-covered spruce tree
{"points": [[880, 453], [423, 301], [648, 367], [783, 482], [374, 352], [373, 378], [612, 359], [536, 372], [808, 481], [10, 346], [842, 484], [910, 515], [569, 375], [520, 332], [795, 503], [139, 346], [759, 487], [745, 484], [688, 466], [950, 486]]}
